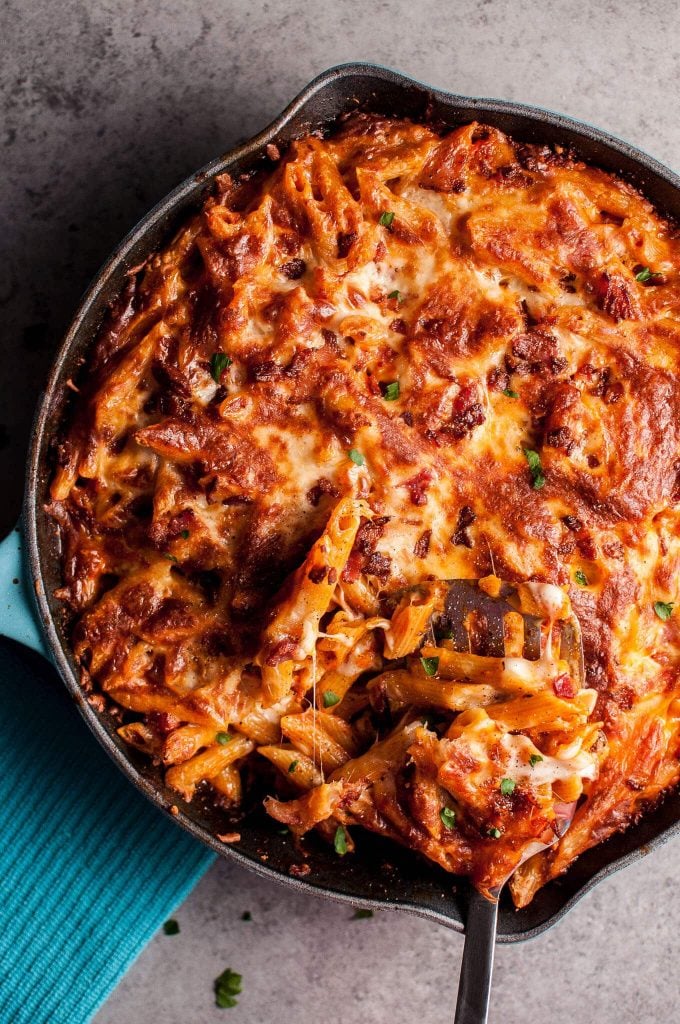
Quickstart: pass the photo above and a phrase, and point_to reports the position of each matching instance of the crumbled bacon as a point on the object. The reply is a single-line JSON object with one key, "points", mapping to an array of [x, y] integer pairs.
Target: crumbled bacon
{"points": [[422, 545], [417, 486], [614, 296], [466, 517], [565, 687]]}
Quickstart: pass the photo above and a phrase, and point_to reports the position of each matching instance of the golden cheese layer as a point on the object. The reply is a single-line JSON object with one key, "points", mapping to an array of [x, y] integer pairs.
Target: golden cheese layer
{"points": [[397, 356]]}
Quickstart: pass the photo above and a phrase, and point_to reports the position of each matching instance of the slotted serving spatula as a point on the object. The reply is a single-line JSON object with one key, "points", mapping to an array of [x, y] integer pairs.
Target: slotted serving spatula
{"points": [[474, 620]]}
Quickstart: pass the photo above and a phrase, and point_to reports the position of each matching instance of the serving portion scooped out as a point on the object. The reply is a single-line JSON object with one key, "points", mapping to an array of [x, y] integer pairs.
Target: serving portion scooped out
{"points": [[396, 357]]}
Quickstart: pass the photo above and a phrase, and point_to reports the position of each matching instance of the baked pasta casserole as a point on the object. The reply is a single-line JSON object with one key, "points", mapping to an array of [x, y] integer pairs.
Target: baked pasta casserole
{"points": [[398, 355]]}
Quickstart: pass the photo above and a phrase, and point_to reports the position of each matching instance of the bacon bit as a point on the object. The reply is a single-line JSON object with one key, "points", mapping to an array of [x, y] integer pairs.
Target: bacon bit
{"points": [[422, 545], [299, 870], [418, 485], [161, 722], [468, 412], [332, 575], [273, 151], [282, 651], [174, 810], [399, 326], [229, 837], [97, 702], [561, 437], [378, 565], [346, 240], [294, 269], [497, 379], [322, 486], [318, 573], [615, 298], [352, 569], [466, 517], [564, 686], [572, 523]]}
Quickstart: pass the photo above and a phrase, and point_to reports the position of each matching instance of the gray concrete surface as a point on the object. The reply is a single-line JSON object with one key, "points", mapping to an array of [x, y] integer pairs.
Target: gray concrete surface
{"points": [[105, 106]]}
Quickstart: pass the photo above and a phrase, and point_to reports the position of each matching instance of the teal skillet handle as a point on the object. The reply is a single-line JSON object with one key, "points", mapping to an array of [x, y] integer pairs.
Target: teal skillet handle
{"points": [[17, 616]]}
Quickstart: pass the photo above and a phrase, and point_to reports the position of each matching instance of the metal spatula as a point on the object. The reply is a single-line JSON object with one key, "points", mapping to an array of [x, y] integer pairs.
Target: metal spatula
{"points": [[472, 614]]}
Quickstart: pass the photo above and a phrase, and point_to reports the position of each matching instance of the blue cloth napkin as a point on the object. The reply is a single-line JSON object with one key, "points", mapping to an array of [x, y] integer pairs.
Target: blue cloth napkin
{"points": [[89, 869]]}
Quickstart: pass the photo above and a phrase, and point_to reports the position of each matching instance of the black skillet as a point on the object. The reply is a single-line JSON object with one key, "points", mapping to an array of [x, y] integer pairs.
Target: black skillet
{"points": [[378, 875]]}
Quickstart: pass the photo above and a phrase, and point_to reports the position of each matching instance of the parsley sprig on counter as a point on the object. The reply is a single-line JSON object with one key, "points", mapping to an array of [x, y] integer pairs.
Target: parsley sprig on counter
{"points": [[227, 987]]}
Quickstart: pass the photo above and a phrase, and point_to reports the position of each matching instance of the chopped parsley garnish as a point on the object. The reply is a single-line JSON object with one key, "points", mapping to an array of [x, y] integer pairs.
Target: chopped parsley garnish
{"points": [[509, 393], [494, 833], [391, 391], [340, 841], [448, 816], [644, 275], [443, 633], [219, 361], [534, 759], [355, 455], [360, 914], [170, 558], [430, 666], [396, 294], [283, 831], [292, 766], [664, 609], [581, 578], [246, 916], [223, 738], [171, 927], [508, 786], [534, 461], [330, 698], [227, 987], [184, 535], [386, 219]]}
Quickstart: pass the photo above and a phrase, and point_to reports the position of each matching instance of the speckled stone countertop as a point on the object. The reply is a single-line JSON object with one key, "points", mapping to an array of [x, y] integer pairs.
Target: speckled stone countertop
{"points": [[106, 106]]}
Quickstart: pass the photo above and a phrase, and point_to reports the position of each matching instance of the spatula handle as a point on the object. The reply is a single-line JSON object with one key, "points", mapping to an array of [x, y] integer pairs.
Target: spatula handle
{"points": [[474, 985]]}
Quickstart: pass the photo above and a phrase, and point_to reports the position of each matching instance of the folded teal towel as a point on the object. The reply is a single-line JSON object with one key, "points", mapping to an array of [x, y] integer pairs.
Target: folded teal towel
{"points": [[89, 870]]}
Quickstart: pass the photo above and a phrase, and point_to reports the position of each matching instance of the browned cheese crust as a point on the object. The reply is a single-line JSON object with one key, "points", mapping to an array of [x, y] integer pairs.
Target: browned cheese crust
{"points": [[522, 300]]}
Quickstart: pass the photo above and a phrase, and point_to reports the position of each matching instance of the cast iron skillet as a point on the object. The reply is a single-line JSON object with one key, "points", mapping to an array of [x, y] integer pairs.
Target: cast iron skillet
{"points": [[378, 874]]}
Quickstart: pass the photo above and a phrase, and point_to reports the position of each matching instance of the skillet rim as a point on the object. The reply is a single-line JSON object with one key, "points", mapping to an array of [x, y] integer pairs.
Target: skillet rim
{"points": [[52, 397]]}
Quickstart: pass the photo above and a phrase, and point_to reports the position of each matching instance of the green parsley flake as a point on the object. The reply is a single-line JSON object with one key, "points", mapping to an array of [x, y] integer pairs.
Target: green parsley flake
{"points": [[396, 294], [664, 609], [509, 393], [227, 987], [330, 698], [534, 759], [508, 786], [430, 666], [219, 361], [494, 833], [355, 455], [246, 916], [360, 914], [534, 461], [644, 275], [184, 535], [292, 766], [391, 391], [448, 816], [283, 831], [223, 738], [170, 558], [386, 219], [340, 841], [581, 578], [171, 927]]}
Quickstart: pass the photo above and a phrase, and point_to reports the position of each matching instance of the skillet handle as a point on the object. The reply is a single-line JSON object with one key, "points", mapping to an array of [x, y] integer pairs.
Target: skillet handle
{"points": [[17, 617], [474, 984]]}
